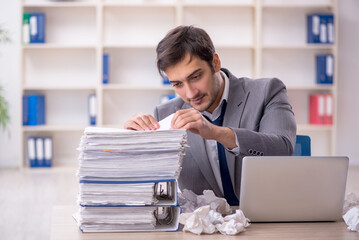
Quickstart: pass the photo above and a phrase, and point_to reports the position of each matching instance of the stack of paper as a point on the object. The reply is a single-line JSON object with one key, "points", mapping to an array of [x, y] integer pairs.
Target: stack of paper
{"points": [[107, 219], [128, 179], [95, 194], [131, 155]]}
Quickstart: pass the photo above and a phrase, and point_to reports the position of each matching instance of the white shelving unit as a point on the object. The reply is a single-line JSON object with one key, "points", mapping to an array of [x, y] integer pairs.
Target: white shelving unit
{"points": [[254, 38]]}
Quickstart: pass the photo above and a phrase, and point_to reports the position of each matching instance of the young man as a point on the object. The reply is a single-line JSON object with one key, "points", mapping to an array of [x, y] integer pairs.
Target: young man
{"points": [[227, 118]]}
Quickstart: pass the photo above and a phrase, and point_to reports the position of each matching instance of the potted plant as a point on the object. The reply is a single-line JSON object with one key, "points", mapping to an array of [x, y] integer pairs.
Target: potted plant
{"points": [[4, 105]]}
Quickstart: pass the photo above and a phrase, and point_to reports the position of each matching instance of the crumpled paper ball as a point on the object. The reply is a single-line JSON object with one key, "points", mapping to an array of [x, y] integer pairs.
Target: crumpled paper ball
{"points": [[190, 201], [208, 214], [351, 201], [351, 212], [199, 221], [233, 224]]}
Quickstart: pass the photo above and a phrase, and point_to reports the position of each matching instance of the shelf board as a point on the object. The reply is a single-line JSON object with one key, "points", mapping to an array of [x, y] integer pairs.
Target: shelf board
{"points": [[114, 86], [67, 88], [313, 127], [234, 46], [218, 4], [129, 45], [55, 128], [59, 46], [299, 47], [60, 4], [288, 4], [153, 46], [54, 168], [138, 4], [324, 87]]}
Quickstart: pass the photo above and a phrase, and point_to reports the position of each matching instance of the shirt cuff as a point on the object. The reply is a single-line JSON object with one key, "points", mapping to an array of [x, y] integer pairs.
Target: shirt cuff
{"points": [[235, 150]]}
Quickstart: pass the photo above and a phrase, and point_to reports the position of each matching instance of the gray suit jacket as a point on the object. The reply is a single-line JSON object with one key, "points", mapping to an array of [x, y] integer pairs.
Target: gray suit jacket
{"points": [[260, 114]]}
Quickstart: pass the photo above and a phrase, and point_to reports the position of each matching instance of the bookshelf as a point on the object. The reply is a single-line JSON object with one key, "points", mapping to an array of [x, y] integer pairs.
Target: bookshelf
{"points": [[254, 38]]}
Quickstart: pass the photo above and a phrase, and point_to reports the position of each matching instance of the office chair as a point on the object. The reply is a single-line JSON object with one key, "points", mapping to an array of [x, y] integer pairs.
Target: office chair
{"points": [[302, 146]]}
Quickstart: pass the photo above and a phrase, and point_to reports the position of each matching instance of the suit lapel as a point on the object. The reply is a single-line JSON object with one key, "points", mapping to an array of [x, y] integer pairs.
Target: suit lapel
{"points": [[237, 98]]}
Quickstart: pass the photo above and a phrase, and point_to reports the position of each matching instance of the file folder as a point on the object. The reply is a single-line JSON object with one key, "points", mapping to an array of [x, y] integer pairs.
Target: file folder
{"points": [[48, 149], [26, 28], [34, 109], [25, 110], [92, 109], [330, 28], [321, 109], [320, 28], [313, 28], [325, 68], [328, 118], [40, 152], [105, 68], [37, 27], [128, 193], [31, 151], [128, 219]]}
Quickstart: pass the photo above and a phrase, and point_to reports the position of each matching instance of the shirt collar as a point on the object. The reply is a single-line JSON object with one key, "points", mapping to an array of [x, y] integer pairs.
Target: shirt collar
{"points": [[217, 112]]}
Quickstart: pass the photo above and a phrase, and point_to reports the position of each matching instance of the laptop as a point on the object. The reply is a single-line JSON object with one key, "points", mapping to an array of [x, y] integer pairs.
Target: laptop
{"points": [[293, 189]]}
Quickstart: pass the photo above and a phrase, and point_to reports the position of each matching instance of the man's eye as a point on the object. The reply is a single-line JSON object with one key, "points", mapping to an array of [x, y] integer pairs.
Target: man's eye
{"points": [[196, 76], [176, 84]]}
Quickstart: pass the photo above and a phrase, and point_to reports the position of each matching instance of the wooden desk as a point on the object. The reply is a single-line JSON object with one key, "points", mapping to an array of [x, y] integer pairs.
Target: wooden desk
{"points": [[63, 226]]}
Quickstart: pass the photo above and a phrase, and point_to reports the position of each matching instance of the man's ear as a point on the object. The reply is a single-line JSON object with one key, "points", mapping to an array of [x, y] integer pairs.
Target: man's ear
{"points": [[216, 62]]}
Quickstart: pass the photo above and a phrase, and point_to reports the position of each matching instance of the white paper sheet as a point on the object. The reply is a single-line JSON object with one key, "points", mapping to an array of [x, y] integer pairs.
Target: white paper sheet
{"points": [[165, 124]]}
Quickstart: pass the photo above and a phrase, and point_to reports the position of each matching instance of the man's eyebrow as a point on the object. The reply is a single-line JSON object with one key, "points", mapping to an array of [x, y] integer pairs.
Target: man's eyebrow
{"points": [[188, 77], [193, 73]]}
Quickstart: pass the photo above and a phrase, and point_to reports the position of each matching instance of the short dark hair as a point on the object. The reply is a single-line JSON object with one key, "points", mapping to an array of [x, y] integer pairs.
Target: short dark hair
{"points": [[180, 41]]}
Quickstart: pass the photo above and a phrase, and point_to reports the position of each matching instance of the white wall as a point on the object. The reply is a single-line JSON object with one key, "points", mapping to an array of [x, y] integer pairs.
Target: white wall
{"points": [[348, 87], [348, 102], [10, 146]]}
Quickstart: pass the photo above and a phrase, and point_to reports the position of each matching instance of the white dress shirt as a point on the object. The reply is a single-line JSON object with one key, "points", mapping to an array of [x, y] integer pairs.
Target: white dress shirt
{"points": [[211, 145]]}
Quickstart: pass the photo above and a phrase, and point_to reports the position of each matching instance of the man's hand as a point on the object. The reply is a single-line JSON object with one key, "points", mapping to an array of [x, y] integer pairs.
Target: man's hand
{"points": [[141, 122], [192, 120]]}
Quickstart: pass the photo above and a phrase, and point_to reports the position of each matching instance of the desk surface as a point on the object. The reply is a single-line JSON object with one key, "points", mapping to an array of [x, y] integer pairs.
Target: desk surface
{"points": [[63, 226]]}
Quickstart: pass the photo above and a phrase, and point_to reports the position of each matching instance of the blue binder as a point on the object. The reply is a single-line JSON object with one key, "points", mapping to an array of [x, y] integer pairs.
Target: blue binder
{"points": [[31, 151], [320, 28], [25, 110], [313, 28], [92, 110], [37, 28], [325, 68], [34, 108], [39, 151], [48, 152], [105, 68], [40, 160], [330, 28]]}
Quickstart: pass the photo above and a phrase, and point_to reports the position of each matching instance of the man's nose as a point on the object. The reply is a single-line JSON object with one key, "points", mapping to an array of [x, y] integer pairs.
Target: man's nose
{"points": [[191, 91]]}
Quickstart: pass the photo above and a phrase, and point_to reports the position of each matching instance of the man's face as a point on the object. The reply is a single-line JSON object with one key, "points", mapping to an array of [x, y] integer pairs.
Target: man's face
{"points": [[194, 81]]}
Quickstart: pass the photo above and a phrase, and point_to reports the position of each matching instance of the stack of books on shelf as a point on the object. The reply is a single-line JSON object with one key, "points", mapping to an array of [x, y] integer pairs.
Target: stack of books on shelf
{"points": [[321, 109], [325, 68], [320, 28], [33, 111], [39, 151], [128, 180], [33, 28]]}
